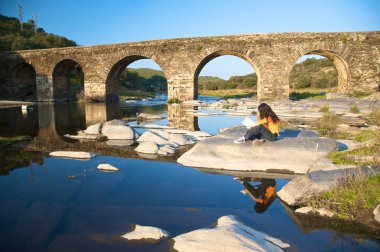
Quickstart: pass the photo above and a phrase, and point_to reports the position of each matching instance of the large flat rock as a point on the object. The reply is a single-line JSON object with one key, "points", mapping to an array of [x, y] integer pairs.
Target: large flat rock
{"points": [[288, 154], [229, 235]]}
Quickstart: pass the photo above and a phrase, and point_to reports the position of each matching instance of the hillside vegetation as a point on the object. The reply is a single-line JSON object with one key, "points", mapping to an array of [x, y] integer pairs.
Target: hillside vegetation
{"points": [[311, 73], [314, 73], [13, 38]]}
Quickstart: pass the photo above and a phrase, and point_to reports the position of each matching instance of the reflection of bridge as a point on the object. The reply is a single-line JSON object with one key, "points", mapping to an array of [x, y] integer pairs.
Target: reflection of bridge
{"points": [[55, 121], [356, 56]]}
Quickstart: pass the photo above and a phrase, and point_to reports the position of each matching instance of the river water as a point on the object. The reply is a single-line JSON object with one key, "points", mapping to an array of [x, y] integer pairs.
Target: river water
{"points": [[53, 204]]}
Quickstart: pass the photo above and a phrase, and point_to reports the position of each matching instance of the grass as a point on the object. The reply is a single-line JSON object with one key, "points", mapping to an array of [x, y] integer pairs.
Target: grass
{"points": [[326, 125], [11, 140], [305, 95], [325, 108], [228, 93], [354, 109], [354, 199], [348, 156], [366, 135], [174, 100], [360, 94], [374, 117]]}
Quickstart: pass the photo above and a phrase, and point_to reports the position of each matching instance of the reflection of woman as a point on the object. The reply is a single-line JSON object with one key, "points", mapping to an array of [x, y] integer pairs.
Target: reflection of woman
{"points": [[263, 194]]}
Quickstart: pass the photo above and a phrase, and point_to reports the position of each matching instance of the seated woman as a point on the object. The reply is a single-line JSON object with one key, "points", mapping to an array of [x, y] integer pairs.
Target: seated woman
{"points": [[266, 128]]}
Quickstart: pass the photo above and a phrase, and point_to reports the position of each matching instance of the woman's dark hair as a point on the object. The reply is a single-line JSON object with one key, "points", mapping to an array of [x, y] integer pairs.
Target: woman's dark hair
{"points": [[266, 111]]}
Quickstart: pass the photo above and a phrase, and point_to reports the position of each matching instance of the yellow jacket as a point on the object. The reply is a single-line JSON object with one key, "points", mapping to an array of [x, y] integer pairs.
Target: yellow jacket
{"points": [[272, 126]]}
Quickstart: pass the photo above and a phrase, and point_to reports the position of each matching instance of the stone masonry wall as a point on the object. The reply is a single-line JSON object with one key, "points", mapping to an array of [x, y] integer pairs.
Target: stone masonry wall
{"points": [[355, 55]]}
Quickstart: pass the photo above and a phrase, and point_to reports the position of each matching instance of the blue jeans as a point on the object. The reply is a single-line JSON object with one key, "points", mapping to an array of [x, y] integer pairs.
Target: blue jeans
{"points": [[259, 132]]}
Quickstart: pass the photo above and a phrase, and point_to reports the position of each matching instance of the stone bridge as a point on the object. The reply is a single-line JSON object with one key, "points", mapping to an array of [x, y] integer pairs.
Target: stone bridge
{"points": [[356, 56]]}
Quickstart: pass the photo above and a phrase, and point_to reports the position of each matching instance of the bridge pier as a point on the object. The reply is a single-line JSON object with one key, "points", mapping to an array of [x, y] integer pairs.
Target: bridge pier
{"points": [[182, 87], [44, 88]]}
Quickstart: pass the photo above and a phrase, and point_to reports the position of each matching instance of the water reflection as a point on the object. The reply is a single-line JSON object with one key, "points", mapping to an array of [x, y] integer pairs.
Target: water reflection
{"points": [[13, 159], [263, 193], [15, 122], [178, 118], [56, 120]]}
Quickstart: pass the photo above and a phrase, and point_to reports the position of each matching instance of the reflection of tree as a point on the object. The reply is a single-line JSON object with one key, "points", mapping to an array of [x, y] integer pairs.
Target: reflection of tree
{"points": [[13, 159]]}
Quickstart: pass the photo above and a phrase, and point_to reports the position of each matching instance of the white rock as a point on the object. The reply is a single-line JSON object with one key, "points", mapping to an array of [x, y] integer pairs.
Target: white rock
{"points": [[83, 137], [167, 148], [152, 137], [286, 154], [160, 133], [118, 129], [162, 153], [376, 213], [173, 144], [180, 139], [93, 129], [72, 154], [107, 167], [319, 211], [146, 232], [147, 148], [198, 135], [229, 235]]}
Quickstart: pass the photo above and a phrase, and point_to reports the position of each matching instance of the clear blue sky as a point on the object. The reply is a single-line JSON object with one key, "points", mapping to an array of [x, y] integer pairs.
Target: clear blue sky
{"points": [[102, 22]]}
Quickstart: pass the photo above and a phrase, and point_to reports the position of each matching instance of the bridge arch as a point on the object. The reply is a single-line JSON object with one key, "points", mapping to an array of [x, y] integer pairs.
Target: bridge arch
{"points": [[340, 64], [217, 54], [115, 72], [61, 79], [22, 82]]}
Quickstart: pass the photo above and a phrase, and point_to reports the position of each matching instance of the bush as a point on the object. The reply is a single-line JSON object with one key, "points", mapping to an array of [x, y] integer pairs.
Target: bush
{"points": [[174, 100], [325, 108], [366, 135], [374, 117], [327, 124], [356, 194], [354, 109]]}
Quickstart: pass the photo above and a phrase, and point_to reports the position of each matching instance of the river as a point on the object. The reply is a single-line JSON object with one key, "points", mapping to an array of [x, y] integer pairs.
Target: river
{"points": [[54, 204]]}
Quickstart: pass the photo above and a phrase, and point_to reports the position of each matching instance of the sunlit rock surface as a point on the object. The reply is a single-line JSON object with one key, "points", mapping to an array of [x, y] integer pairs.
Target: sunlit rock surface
{"points": [[72, 154], [107, 167], [152, 137], [118, 129], [146, 232], [147, 147], [288, 154], [228, 235], [376, 213], [93, 129]]}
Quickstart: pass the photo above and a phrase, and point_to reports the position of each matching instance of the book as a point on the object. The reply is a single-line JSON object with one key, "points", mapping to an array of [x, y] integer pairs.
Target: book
{"points": [[248, 122]]}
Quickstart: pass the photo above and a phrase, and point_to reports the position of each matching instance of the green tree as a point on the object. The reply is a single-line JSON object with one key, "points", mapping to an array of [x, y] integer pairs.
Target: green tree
{"points": [[12, 38]]}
